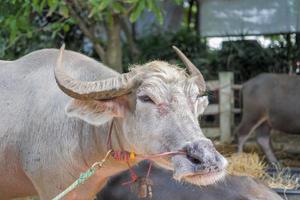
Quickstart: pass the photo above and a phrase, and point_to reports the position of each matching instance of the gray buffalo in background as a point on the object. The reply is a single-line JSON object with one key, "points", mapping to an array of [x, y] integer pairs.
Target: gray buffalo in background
{"points": [[270, 101], [164, 188]]}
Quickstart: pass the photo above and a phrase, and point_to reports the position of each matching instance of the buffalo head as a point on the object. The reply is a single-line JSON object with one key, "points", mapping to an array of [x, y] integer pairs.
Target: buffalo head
{"points": [[156, 108]]}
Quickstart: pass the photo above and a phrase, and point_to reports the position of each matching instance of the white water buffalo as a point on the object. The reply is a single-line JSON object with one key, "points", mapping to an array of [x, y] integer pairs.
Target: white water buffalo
{"points": [[270, 101], [50, 132]]}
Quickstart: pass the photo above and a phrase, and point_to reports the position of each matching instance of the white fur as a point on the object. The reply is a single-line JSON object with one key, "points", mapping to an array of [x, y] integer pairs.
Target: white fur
{"points": [[93, 117]]}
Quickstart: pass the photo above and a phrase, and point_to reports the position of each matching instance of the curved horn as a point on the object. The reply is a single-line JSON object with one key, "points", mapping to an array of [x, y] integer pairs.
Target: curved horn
{"points": [[98, 90], [192, 69]]}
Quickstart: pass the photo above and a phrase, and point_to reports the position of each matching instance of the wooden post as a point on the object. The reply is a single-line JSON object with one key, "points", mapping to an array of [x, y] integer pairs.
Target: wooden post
{"points": [[226, 105]]}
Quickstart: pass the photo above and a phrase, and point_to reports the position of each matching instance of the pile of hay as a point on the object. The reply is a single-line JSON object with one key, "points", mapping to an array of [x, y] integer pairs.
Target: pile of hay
{"points": [[246, 164], [249, 164]]}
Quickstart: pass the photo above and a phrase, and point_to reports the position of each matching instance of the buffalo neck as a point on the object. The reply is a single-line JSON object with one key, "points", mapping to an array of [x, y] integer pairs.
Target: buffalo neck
{"points": [[93, 146]]}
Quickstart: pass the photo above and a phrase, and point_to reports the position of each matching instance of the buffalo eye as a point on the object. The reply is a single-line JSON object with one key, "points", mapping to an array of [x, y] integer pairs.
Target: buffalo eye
{"points": [[145, 99]]}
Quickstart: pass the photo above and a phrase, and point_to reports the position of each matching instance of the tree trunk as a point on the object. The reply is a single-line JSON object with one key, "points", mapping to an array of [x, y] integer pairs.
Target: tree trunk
{"points": [[190, 14], [298, 39], [198, 18], [86, 29], [288, 53], [134, 51], [298, 44], [114, 46]]}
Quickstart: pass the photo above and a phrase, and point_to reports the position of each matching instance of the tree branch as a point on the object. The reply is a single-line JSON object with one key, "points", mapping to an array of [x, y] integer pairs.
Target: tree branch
{"points": [[129, 10], [190, 14], [86, 31], [130, 39], [79, 9]]}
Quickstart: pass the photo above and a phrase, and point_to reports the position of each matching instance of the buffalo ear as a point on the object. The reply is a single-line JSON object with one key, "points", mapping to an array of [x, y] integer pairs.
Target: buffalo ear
{"points": [[202, 105], [96, 112]]}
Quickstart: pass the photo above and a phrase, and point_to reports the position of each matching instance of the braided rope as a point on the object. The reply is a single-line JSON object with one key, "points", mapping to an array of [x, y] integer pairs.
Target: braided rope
{"points": [[83, 177]]}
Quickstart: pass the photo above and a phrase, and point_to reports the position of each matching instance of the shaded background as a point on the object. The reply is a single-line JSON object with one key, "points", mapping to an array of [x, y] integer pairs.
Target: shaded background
{"points": [[253, 36]]}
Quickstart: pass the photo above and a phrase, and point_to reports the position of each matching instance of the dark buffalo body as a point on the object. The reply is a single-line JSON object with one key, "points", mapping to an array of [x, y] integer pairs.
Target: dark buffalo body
{"points": [[164, 188]]}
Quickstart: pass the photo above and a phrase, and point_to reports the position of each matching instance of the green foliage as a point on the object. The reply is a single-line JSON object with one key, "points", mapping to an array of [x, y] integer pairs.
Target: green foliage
{"points": [[14, 19], [104, 8], [159, 46], [246, 58], [49, 21], [31, 22], [27, 25]]}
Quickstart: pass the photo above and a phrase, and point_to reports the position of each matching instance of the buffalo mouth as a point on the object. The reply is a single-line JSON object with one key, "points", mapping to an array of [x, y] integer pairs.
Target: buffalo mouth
{"points": [[204, 174], [203, 179]]}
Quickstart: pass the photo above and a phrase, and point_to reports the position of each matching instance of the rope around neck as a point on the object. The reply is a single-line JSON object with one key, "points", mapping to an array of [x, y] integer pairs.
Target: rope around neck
{"points": [[84, 176]]}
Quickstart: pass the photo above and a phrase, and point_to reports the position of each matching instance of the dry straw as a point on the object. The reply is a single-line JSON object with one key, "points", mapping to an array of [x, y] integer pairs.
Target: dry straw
{"points": [[283, 178], [249, 164], [246, 164]]}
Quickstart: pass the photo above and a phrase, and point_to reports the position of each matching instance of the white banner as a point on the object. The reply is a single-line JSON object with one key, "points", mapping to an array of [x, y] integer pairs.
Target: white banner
{"points": [[249, 17]]}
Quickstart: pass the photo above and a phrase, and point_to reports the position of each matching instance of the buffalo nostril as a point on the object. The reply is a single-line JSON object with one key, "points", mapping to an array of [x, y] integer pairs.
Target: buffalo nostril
{"points": [[216, 168], [217, 158]]}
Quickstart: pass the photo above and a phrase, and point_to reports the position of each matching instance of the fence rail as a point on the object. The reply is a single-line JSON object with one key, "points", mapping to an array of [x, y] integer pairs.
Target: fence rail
{"points": [[225, 108]]}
